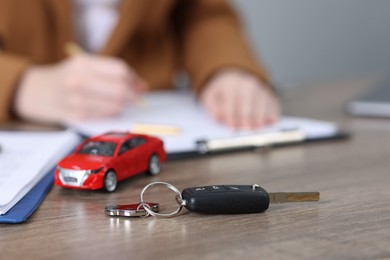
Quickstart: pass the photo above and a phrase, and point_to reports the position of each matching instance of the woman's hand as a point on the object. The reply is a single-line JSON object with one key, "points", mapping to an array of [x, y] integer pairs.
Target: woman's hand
{"points": [[240, 100], [81, 87]]}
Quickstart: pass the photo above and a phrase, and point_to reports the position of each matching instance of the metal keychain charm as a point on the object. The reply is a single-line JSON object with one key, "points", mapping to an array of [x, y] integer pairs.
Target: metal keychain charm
{"points": [[132, 210], [179, 200]]}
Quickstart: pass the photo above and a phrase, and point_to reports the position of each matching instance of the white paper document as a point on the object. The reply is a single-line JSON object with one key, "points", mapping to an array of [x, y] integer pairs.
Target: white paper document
{"points": [[181, 110], [25, 158]]}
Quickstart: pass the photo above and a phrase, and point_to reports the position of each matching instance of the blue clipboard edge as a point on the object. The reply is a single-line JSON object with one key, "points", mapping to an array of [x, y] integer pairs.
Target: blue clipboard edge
{"points": [[30, 202]]}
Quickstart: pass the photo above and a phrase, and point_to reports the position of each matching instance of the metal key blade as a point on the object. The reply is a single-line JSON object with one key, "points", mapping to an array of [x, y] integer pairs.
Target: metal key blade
{"points": [[281, 197]]}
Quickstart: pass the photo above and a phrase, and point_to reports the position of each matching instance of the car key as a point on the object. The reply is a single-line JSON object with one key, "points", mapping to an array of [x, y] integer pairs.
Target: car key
{"points": [[238, 199], [225, 199]]}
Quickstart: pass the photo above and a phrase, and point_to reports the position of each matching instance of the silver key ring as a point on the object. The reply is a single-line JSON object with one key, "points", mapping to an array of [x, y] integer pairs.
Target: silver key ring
{"points": [[179, 200]]}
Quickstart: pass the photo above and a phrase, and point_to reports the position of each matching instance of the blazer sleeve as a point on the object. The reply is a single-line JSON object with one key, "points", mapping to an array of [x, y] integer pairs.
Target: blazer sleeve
{"points": [[12, 67], [210, 39], [11, 70]]}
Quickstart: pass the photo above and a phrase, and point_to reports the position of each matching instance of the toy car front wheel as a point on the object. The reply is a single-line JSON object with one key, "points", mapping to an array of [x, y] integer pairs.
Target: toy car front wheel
{"points": [[110, 181], [154, 165]]}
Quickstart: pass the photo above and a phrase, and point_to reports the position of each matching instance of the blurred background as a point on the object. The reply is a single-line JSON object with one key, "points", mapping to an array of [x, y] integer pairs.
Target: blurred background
{"points": [[304, 42]]}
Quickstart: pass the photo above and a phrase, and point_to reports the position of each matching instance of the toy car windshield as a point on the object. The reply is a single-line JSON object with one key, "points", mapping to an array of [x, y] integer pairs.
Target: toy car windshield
{"points": [[98, 148]]}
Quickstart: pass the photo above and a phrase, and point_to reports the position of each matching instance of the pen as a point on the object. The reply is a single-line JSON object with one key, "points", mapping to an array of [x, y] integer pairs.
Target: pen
{"points": [[251, 141], [73, 49]]}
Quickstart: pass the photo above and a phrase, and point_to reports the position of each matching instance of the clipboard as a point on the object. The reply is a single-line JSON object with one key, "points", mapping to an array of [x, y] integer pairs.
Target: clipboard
{"points": [[22, 210], [187, 129], [32, 156]]}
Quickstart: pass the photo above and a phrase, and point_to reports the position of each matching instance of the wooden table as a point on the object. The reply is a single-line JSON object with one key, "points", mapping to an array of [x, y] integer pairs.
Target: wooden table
{"points": [[351, 221]]}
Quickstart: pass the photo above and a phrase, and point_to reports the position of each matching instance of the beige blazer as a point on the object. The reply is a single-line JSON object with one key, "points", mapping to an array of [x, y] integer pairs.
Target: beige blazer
{"points": [[155, 37]]}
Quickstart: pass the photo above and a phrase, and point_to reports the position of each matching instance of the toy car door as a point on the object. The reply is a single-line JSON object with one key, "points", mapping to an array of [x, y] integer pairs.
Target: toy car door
{"points": [[126, 162], [141, 155]]}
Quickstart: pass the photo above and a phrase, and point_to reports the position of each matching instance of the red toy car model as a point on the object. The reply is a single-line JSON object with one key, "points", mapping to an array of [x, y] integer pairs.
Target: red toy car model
{"points": [[102, 161]]}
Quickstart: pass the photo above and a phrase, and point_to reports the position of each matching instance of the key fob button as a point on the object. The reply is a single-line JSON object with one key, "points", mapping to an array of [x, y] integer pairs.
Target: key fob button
{"points": [[200, 189], [216, 188], [231, 188]]}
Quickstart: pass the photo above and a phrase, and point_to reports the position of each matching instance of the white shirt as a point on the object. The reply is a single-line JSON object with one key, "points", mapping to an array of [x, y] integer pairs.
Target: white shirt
{"points": [[94, 22]]}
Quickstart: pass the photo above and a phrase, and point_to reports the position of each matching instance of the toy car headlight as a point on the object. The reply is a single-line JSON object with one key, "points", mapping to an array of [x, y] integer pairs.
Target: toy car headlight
{"points": [[94, 171]]}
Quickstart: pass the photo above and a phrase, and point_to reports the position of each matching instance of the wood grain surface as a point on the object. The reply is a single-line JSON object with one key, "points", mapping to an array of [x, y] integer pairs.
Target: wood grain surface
{"points": [[351, 221]]}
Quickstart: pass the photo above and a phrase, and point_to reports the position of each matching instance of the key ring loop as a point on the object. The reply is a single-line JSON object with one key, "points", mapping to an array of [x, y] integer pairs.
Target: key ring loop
{"points": [[144, 206], [179, 200]]}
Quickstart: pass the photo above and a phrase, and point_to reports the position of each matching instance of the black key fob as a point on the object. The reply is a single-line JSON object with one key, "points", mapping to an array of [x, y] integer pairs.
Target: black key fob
{"points": [[226, 199]]}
